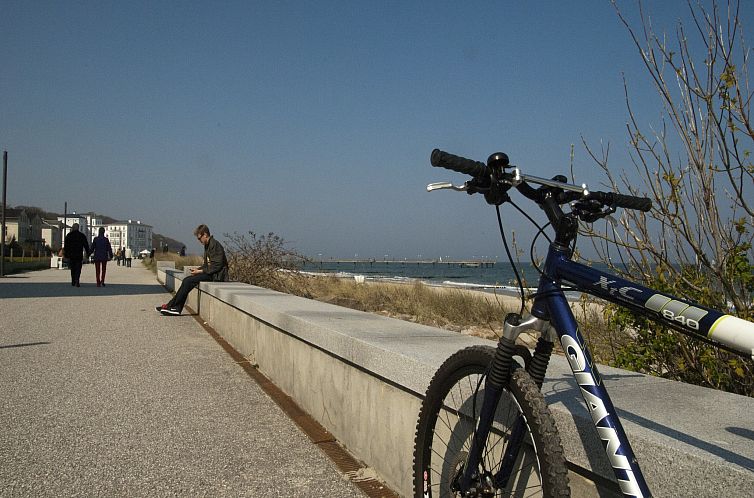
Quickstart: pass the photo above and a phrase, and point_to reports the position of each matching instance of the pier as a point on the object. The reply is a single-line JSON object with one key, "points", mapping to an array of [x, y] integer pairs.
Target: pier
{"points": [[467, 263]]}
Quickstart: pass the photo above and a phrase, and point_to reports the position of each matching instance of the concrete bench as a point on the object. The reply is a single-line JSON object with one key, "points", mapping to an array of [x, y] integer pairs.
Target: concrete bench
{"points": [[363, 376]]}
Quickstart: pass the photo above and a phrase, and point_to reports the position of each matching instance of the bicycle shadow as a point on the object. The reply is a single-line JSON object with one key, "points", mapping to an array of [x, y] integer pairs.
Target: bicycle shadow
{"points": [[570, 396]]}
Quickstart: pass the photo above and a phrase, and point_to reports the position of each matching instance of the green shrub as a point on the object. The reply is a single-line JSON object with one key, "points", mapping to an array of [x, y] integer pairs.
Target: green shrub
{"points": [[663, 352]]}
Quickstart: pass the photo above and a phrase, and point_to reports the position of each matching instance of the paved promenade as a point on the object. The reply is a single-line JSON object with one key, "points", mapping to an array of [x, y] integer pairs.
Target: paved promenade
{"points": [[100, 395]]}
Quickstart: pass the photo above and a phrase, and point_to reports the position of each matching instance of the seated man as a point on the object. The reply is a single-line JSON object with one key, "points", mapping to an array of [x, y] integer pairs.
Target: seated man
{"points": [[215, 269]]}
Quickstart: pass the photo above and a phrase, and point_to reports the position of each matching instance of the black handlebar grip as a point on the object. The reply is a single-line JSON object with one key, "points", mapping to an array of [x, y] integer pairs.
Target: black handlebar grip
{"points": [[460, 164], [631, 202]]}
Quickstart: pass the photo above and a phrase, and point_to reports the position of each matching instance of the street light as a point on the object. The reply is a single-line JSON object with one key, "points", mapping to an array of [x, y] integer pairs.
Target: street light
{"points": [[2, 216]]}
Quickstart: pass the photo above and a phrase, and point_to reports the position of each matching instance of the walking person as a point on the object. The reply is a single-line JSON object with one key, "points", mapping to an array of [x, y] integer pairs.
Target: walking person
{"points": [[103, 252], [215, 269], [73, 248]]}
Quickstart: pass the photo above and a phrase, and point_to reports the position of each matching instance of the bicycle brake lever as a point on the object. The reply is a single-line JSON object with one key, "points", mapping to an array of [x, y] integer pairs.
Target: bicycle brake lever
{"points": [[447, 185]]}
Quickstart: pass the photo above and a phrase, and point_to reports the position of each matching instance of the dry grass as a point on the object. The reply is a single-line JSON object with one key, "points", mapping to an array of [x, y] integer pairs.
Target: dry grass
{"points": [[468, 312], [471, 313], [180, 261], [603, 341]]}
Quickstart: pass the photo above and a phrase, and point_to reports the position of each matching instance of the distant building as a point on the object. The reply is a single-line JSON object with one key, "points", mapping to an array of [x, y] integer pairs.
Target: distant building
{"points": [[72, 218], [52, 234], [93, 222], [25, 229], [133, 235]]}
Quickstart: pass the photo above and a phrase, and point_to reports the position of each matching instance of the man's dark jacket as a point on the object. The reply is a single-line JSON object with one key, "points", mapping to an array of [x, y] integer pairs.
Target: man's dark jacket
{"points": [[215, 263], [74, 246]]}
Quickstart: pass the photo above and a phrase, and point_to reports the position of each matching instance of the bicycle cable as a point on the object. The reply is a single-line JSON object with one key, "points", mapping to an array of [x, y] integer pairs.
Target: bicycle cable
{"points": [[541, 232], [510, 259]]}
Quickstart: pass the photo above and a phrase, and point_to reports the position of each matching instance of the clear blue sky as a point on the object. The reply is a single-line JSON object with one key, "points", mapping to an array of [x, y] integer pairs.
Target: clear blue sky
{"points": [[310, 119]]}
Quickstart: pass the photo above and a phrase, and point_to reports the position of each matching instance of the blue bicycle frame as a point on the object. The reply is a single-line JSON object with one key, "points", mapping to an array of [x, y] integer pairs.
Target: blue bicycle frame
{"points": [[551, 304], [554, 306]]}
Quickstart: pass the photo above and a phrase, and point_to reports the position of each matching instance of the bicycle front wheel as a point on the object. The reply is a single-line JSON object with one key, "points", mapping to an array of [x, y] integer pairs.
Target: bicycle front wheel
{"points": [[449, 415]]}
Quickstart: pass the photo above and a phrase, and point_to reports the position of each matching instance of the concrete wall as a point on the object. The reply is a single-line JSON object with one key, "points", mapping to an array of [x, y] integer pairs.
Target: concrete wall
{"points": [[362, 376]]}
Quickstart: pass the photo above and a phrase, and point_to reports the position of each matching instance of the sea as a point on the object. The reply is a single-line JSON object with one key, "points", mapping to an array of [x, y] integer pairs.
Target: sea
{"points": [[498, 277]]}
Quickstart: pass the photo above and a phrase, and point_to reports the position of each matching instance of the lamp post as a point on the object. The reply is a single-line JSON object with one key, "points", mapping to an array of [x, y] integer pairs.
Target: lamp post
{"points": [[65, 219], [2, 222]]}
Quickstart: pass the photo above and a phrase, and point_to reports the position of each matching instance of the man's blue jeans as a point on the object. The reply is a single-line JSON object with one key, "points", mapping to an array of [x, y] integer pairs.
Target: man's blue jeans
{"points": [[179, 300]]}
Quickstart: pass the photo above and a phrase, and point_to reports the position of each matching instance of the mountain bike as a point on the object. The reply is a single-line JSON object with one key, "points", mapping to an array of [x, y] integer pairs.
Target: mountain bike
{"points": [[484, 428]]}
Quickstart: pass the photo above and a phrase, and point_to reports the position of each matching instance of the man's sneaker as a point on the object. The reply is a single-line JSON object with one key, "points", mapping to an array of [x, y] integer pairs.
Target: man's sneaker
{"points": [[161, 307], [170, 311]]}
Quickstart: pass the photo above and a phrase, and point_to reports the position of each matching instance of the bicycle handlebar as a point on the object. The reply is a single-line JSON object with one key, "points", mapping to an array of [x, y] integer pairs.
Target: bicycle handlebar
{"points": [[478, 169], [459, 164], [623, 201]]}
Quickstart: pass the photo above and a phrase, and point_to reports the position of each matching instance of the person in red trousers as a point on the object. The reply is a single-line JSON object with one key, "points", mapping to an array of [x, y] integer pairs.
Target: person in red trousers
{"points": [[103, 252]]}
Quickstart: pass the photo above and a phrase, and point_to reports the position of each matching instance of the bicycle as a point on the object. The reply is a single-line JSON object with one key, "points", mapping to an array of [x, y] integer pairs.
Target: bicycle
{"points": [[484, 428]]}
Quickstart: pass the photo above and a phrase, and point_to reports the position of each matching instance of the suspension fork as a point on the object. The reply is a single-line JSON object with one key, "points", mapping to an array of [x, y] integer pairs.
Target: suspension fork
{"points": [[537, 367], [497, 378]]}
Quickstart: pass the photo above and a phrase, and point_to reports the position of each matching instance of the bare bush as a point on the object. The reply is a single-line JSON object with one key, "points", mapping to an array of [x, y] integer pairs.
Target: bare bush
{"points": [[263, 261], [697, 169]]}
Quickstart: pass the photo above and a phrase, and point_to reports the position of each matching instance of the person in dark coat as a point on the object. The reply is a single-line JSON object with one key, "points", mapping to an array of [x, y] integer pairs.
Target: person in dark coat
{"points": [[215, 269], [73, 249], [103, 252]]}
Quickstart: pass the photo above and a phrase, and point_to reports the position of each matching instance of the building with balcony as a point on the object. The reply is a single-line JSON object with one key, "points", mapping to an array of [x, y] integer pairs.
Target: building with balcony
{"points": [[68, 221], [133, 235]]}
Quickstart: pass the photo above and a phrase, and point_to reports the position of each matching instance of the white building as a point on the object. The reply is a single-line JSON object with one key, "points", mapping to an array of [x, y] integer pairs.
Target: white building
{"points": [[72, 218], [133, 235], [52, 234], [93, 222]]}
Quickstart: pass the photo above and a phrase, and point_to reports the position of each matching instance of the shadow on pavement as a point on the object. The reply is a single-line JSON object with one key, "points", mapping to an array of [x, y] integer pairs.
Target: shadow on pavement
{"points": [[64, 289], [23, 345], [574, 405]]}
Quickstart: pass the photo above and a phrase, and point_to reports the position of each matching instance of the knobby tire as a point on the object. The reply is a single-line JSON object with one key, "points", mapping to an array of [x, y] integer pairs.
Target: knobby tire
{"points": [[449, 415]]}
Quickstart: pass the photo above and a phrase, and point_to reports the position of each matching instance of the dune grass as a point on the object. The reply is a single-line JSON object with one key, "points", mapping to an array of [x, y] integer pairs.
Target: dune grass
{"points": [[447, 308], [180, 261]]}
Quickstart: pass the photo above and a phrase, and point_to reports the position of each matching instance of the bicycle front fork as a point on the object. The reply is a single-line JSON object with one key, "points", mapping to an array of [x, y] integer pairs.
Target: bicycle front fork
{"points": [[498, 377]]}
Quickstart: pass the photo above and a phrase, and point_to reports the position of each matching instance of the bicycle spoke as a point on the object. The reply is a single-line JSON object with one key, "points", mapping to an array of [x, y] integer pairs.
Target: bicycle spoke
{"points": [[454, 403]]}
